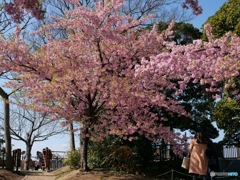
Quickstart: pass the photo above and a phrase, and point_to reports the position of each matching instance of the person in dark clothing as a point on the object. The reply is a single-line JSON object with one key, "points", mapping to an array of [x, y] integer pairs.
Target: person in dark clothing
{"points": [[40, 159], [211, 154]]}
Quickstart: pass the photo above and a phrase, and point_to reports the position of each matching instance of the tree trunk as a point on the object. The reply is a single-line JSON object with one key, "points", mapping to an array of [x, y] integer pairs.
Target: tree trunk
{"points": [[84, 150], [72, 140], [28, 156], [8, 145]]}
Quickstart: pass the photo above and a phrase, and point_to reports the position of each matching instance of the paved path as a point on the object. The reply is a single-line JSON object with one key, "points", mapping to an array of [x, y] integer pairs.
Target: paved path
{"points": [[38, 175]]}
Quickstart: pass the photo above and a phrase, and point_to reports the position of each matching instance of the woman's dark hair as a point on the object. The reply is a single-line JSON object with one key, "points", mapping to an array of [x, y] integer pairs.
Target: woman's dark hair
{"points": [[201, 138]]}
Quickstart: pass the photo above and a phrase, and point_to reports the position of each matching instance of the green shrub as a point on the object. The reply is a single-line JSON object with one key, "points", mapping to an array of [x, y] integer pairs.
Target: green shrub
{"points": [[113, 153], [121, 158], [73, 159], [99, 150]]}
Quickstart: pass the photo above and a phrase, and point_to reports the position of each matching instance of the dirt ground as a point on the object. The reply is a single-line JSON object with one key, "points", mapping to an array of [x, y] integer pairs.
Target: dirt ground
{"points": [[66, 173], [8, 175]]}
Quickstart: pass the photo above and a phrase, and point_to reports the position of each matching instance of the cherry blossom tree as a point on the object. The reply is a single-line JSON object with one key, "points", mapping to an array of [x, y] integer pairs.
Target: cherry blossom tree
{"points": [[90, 76], [214, 64], [109, 74], [16, 9]]}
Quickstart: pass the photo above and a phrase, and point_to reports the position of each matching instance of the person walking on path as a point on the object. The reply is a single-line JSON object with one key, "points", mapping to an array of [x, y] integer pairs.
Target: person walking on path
{"points": [[198, 159]]}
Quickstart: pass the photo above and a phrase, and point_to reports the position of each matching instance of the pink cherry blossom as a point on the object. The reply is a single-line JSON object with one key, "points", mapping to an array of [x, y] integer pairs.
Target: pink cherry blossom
{"points": [[109, 76]]}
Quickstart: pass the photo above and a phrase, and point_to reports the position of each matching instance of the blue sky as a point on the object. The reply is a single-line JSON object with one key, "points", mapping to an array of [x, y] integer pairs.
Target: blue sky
{"points": [[61, 143], [209, 9]]}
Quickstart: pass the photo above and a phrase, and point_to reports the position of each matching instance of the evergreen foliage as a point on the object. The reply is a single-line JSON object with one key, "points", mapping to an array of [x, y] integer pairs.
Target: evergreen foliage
{"points": [[226, 19]]}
